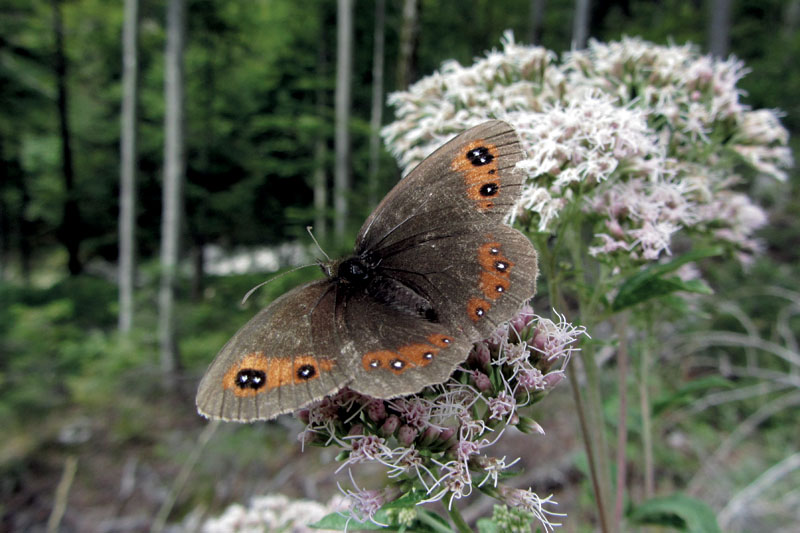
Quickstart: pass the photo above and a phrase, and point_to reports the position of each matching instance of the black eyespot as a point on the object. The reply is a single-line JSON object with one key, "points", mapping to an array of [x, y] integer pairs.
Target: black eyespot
{"points": [[479, 311], [501, 266], [499, 288], [427, 356], [251, 379], [479, 156], [397, 364], [492, 171], [446, 341], [489, 189], [494, 250], [374, 363], [306, 372]]}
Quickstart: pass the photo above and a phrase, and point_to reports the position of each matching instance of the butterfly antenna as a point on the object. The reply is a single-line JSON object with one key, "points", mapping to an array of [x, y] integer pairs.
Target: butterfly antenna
{"points": [[270, 280], [308, 229]]}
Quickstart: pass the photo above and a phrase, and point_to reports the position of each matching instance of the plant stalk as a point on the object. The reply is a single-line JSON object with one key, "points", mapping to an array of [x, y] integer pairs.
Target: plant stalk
{"points": [[455, 515]]}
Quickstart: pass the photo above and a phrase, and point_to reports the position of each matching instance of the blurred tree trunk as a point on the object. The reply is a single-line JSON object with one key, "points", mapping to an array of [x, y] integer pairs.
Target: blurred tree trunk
{"points": [[344, 68], [409, 35], [25, 233], [376, 116], [199, 267], [128, 165], [580, 24], [537, 22], [69, 233], [320, 176], [719, 28], [174, 169], [5, 222]]}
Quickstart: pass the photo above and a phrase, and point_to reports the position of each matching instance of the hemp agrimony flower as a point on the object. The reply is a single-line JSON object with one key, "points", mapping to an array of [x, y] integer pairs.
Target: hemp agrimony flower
{"points": [[647, 141], [435, 445]]}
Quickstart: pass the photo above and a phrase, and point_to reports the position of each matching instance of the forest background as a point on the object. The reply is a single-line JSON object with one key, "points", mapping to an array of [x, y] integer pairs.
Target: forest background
{"points": [[97, 387]]}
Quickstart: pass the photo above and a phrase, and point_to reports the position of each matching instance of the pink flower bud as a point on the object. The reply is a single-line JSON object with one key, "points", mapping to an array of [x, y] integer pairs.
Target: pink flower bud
{"points": [[302, 415], [446, 435], [480, 357], [390, 425], [429, 436], [406, 435], [358, 429], [482, 381], [376, 410], [553, 378]]}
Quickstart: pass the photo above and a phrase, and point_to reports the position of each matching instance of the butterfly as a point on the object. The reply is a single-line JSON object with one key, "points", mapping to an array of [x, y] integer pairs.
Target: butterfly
{"points": [[434, 269]]}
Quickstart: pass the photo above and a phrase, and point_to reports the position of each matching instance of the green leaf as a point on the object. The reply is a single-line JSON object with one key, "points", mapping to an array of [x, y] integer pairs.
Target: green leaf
{"points": [[677, 511], [651, 282], [407, 500], [486, 525], [689, 392], [339, 520]]}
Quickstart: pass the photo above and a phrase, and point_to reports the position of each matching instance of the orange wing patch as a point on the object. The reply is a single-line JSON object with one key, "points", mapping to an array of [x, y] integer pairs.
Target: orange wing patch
{"points": [[257, 373], [405, 357], [494, 279], [477, 163]]}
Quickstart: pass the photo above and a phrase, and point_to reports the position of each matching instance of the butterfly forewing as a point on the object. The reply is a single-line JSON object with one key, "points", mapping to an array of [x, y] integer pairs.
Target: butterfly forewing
{"points": [[282, 359], [469, 177]]}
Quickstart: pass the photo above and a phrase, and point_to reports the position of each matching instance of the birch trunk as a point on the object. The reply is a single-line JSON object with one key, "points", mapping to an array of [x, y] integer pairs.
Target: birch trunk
{"points": [[173, 185], [376, 116], [128, 164], [408, 42], [344, 60], [580, 24], [719, 28]]}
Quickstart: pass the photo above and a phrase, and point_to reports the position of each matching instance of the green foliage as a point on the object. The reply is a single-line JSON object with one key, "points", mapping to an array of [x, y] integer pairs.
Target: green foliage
{"points": [[678, 512], [651, 282]]}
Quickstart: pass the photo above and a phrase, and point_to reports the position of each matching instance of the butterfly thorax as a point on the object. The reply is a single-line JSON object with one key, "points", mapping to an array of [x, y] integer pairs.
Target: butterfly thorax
{"points": [[354, 270], [359, 274]]}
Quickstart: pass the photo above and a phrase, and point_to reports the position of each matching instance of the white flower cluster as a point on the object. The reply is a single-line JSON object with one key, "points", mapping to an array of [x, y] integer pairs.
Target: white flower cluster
{"points": [[648, 140], [271, 513]]}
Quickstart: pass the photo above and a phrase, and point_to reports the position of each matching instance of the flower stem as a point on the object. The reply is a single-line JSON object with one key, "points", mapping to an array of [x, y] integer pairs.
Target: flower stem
{"points": [[430, 520], [622, 423], [595, 436], [455, 516], [644, 398]]}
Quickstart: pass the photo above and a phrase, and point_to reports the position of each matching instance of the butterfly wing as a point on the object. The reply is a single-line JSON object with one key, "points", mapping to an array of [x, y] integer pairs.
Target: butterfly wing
{"points": [[284, 358], [394, 352], [476, 276], [471, 175], [440, 231]]}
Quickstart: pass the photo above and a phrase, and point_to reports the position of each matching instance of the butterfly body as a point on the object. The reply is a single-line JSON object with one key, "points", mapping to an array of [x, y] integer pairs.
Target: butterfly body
{"points": [[434, 269]]}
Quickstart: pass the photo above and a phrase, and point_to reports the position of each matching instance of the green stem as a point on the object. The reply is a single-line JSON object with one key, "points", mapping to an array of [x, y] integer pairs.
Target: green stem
{"points": [[590, 452], [427, 518], [622, 423], [595, 421], [644, 399], [589, 416], [455, 516]]}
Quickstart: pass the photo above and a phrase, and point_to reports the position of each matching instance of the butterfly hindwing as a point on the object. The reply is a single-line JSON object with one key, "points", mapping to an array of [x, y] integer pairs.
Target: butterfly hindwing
{"points": [[475, 278], [396, 352]]}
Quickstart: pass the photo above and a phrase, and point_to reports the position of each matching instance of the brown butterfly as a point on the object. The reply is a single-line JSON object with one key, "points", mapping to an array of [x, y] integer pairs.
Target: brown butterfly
{"points": [[434, 269]]}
